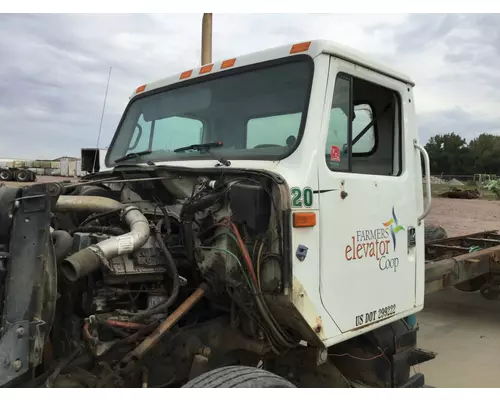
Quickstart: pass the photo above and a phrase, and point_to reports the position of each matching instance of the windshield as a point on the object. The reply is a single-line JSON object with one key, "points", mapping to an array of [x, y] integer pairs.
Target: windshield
{"points": [[258, 114]]}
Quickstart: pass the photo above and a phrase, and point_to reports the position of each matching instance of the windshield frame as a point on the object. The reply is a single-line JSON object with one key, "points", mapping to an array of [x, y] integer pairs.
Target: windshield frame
{"points": [[218, 75]]}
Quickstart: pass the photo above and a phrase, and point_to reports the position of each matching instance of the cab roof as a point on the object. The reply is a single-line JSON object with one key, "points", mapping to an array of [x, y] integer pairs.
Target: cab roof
{"points": [[311, 48]]}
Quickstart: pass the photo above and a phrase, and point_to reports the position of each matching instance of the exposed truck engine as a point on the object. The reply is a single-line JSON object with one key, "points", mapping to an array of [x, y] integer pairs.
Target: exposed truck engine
{"points": [[155, 276], [129, 254]]}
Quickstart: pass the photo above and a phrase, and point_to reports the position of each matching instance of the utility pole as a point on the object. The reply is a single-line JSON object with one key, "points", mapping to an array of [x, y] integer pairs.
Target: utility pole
{"points": [[206, 39]]}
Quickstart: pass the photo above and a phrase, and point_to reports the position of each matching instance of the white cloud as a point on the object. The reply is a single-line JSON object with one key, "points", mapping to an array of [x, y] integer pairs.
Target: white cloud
{"points": [[53, 68]]}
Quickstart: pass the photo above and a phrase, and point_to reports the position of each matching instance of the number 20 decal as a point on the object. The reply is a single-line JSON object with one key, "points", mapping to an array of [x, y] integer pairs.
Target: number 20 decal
{"points": [[302, 198]]}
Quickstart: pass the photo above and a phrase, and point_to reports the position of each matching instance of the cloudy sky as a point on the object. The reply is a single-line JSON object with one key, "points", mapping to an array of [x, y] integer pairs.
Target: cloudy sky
{"points": [[54, 68]]}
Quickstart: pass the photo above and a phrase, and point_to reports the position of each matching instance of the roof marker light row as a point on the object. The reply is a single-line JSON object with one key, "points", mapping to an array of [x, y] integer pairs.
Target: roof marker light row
{"points": [[205, 69]]}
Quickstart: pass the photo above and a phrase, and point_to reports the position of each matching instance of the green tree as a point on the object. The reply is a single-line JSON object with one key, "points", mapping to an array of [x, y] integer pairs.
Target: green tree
{"points": [[485, 154], [449, 154]]}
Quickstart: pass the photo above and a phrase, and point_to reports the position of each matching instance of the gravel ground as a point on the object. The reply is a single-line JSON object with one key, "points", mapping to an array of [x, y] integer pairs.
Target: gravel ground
{"points": [[463, 328], [462, 217]]}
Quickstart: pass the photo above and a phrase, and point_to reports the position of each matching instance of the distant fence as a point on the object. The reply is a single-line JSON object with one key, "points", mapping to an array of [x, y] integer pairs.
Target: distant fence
{"points": [[476, 179]]}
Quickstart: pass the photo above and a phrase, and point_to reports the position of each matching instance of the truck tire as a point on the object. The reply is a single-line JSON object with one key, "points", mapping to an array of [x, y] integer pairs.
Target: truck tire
{"points": [[236, 376], [472, 285], [489, 292], [5, 175], [23, 176]]}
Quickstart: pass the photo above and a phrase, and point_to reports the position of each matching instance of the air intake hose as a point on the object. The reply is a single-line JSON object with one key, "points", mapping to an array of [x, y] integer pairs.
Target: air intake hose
{"points": [[91, 258]]}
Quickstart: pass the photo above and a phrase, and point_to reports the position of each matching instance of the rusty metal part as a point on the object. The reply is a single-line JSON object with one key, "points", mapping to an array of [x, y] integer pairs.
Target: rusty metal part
{"points": [[126, 324], [204, 351], [136, 336], [165, 326], [463, 261], [454, 246], [457, 260]]}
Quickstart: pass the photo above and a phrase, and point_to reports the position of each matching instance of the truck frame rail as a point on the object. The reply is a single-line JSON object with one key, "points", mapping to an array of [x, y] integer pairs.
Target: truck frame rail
{"points": [[468, 263]]}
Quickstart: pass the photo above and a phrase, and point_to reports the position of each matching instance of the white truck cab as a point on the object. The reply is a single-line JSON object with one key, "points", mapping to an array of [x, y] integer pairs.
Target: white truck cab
{"points": [[340, 130]]}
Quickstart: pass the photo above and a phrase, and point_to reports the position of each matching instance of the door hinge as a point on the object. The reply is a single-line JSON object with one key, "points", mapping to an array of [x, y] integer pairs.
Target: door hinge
{"points": [[412, 237]]}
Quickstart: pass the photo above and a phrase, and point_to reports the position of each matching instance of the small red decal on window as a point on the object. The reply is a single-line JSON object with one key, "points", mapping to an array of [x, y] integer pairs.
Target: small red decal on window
{"points": [[335, 154]]}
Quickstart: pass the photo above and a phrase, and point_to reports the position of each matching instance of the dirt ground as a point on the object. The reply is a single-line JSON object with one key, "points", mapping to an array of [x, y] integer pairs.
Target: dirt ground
{"points": [[461, 217], [463, 328]]}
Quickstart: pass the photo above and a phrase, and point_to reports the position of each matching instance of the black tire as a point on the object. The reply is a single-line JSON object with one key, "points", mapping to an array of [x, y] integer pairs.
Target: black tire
{"points": [[23, 176], [236, 376], [5, 175], [472, 285], [434, 232], [488, 292]]}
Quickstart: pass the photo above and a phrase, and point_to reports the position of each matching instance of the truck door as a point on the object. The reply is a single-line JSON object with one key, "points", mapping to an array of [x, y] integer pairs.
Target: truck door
{"points": [[368, 200]]}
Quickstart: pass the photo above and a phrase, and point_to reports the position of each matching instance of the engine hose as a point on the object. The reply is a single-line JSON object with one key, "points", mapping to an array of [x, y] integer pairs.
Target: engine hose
{"points": [[62, 244], [100, 215], [168, 226], [91, 258], [139, 334], [117, 331], [187, 216], [124, 324], [175, 282], [106, 230], [188, 236], [271, 323]]}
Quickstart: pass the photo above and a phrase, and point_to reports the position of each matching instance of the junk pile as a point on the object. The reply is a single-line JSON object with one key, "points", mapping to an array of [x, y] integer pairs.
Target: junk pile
{"points": [[456, 193]]}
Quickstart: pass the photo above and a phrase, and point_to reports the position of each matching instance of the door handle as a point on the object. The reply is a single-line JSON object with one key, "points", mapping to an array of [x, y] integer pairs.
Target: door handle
{"points": [[427, 167]]}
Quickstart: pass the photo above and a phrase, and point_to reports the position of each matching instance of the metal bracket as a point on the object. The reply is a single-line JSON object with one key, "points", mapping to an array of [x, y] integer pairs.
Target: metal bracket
{"points": [[416, 381], [301, 252], [14, 352], [321, 356]]}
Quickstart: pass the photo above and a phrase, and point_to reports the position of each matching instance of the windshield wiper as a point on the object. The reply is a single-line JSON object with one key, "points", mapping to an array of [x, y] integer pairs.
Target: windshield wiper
{"points": [[205, 147], [199, 147], [133, 155]]}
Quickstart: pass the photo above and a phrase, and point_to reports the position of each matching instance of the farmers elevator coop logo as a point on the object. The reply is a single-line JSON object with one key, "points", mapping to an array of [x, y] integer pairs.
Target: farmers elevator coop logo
{"points": [[378, 244]]}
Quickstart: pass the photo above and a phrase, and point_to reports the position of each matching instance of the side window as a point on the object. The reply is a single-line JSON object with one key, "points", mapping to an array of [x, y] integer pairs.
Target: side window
{"points": [[337, 147], [363, 132], [277, 130]]}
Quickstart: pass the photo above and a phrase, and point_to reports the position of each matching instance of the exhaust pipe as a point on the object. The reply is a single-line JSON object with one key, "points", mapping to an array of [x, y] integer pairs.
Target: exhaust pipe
{"points": [[206, 39], [91, 258]]}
